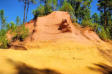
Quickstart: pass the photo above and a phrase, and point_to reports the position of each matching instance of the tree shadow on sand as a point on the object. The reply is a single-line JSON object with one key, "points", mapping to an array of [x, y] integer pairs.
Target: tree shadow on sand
{"points": [[103, 68], [22, 68], [107, 54]]}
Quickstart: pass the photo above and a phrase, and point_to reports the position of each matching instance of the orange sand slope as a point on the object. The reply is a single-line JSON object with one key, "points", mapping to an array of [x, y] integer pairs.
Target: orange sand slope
{"points": [[46, 28]]}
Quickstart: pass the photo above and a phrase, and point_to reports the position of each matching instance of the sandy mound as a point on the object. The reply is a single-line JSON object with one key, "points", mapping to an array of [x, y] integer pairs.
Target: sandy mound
{"points": [[58, 25]]}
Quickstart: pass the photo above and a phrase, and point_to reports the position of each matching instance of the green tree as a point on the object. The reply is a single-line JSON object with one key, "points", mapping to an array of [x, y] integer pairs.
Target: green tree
{"points": [[25, 4], [81, 8], [95, 18], [49, 5], [40, 11], [85, 9], [3, 30], [3, 39], [68, 8], [18, 20], [45, 7], [104, 33], [54, 3], [28, 3], [26, 8], [105, 7], [17, 31], [2, 19]]}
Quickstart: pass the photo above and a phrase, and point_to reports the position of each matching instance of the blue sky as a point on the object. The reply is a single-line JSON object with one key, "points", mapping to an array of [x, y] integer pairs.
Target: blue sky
{"points": [[13, 8], [94, 7]]}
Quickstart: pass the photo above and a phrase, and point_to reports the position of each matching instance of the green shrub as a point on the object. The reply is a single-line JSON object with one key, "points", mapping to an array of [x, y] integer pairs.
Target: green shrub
{"points": [[40, 11], [103, 33], [67, 7], [3, 39], [12, 27], [87, 23], [20, 33]]}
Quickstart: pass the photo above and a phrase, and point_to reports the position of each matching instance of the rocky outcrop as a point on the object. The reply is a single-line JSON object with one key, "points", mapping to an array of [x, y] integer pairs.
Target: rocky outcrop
{"points": [[58, 25]]}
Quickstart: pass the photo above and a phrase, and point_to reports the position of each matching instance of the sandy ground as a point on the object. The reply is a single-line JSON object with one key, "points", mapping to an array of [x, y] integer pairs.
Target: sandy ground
{"points": [[68, 58]]}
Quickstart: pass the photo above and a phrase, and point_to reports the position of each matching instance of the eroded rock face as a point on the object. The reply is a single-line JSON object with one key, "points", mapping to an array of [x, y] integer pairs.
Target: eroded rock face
{"points": [[47, 27], [58, 25]]}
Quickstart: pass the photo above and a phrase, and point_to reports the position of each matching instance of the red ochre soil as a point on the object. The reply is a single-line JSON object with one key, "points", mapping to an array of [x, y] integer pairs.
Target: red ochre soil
{"points": [[46, 28]]}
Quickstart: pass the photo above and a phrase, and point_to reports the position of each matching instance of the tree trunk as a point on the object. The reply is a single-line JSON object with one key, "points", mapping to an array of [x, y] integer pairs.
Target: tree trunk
{"points": [[45, 6], [27, 10], [24, 12], [105, 21]]}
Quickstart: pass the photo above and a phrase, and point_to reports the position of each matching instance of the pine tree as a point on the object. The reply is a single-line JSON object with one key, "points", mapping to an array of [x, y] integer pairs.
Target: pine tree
{"points": [[28, 3], [81, 8], [95, 18], [40, 11], [17, 20], [105, 7], [67, 7], [49, 5], [2, 19], [26, 6]]}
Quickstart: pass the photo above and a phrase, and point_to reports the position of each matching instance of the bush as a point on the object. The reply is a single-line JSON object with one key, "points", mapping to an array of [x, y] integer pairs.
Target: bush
{"points": [[87, 23], [67, 7], [3, 39], [40, 11], [103, 33], [18, 33]]}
